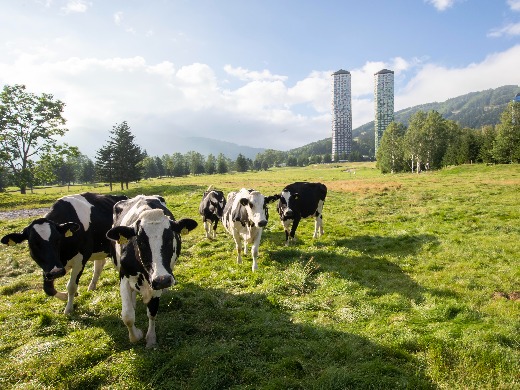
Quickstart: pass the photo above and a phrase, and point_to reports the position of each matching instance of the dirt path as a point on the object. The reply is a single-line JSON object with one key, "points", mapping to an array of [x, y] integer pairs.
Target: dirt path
{"points": [[15, 214]]}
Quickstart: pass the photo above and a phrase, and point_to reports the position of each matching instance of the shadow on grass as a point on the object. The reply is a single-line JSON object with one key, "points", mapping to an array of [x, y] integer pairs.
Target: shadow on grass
{"points": [[403, 245], [211, 339], [367, 261]]}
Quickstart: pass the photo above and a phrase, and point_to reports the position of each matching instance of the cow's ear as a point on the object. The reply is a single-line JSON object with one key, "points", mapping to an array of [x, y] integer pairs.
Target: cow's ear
{"points": [[183, 226], [121, 234], [244, 201], [68, 228], [14, 238], [272, 198]]}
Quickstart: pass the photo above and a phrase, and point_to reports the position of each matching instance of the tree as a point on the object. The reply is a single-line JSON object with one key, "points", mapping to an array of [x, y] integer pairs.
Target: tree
{"points": [[506, 148], [29, 126], [178, 165], [149, 168], [487, 135], [160, 167], [211, 164], [125, 155], [87, 172], [196, 162], [167, 163], [222, 164], [390, 153], [327, 158], [105, 164], [241, 163]]}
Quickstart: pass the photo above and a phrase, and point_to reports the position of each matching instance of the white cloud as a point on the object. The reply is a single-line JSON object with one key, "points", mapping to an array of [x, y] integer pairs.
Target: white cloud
{"points": [[314, 90], [437, 83], [163, 101], [118, 18], [514, 5], [76, 6], [246, 75], [512, 29], [441, 5]]}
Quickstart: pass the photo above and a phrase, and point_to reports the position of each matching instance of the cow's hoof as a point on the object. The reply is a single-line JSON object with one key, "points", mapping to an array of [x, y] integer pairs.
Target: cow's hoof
{"points": [[136, 336], [62, 296]]}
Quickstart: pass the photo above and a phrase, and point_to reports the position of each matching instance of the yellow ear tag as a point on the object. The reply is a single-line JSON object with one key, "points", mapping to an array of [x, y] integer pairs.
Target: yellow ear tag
{"points": [[184, 231], [11, 242], [122, 240], [68, 233]]}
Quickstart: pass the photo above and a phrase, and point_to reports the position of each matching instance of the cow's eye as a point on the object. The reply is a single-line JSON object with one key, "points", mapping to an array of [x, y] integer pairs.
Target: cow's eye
{"points": [[251, 204]]}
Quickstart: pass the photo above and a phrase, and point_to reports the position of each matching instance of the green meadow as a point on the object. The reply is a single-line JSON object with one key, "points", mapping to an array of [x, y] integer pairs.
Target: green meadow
{"points": [[415, 285]]}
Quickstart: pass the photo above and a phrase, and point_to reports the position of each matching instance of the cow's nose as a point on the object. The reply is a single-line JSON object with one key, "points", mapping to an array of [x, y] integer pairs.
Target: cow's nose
{"points": [[163, 281], [54, 273], [262, 223]]}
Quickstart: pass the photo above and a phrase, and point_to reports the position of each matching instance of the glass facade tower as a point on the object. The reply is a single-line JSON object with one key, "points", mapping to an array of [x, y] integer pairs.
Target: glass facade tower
{"points": [[341, 115], [384, 102]]}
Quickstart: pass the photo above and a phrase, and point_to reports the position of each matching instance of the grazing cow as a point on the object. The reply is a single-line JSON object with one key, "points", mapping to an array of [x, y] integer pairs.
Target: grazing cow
{"points": [[146, 244], [301, 200], [211, 208], [71, 233], [245, 216]]}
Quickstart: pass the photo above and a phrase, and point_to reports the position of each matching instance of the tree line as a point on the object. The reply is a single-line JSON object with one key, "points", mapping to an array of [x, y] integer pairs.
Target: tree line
{"points": [[433, 142], [30, 155]]}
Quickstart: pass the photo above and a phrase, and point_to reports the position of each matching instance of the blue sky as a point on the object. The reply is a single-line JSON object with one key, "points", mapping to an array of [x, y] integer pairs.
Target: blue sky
{"points": [[256, 73]]}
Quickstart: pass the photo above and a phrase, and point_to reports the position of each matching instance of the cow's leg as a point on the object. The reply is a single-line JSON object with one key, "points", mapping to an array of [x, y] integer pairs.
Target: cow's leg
{"points": [[76, 270], [294, 226], [151, 309], [215, 228], [207, 228], [238, 246], [48, 287], [254, 250], [128, 310], [318, 226], [287, 228], [98, 267]]}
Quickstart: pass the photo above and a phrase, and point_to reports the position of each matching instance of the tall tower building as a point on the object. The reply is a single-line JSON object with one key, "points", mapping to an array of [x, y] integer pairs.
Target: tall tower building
{"points": [[384, 102], [341, 114]]}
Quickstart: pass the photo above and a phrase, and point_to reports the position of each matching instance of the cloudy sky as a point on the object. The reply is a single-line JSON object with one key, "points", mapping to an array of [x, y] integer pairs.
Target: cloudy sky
{"points": [[252, 72]]}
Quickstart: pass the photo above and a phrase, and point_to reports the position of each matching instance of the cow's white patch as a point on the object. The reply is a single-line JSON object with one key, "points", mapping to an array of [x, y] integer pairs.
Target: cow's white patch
{"points": [[82, 207], [43, 230], [154, 223]]}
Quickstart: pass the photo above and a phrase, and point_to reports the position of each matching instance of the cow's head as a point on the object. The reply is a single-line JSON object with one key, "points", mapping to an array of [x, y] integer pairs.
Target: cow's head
{"points": [[288, 205], [216, 202], [256, 206], [157, 242], [45, 239]]}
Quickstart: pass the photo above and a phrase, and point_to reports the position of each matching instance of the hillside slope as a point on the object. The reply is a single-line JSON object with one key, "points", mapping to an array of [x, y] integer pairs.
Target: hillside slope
{"points": [[473, 110]]}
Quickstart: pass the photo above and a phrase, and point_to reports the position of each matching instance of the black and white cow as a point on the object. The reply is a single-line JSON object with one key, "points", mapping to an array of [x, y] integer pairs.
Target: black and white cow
{"points": [[147, 243], [72, 232], [211, 209], [301, 200], [245, 216]]}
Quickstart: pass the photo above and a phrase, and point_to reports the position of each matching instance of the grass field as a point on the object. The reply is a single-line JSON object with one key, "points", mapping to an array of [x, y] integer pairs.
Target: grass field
{"points": [[415, 285]]}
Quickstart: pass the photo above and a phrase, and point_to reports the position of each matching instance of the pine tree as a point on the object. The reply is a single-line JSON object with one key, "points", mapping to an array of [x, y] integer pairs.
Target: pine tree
{"points": [[121, 156]]}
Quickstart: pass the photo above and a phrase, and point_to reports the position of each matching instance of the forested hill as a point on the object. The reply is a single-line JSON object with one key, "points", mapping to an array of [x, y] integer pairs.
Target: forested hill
{"points": [[473, 110]]}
